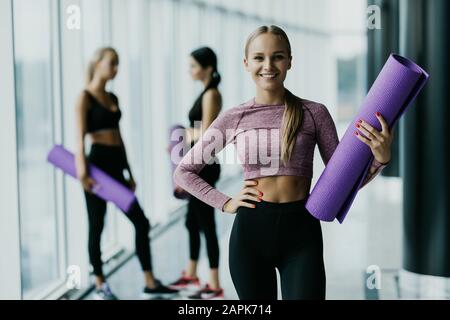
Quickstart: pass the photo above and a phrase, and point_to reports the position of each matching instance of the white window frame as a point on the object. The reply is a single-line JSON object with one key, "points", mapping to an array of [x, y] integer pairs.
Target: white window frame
{"points": [[10, 265]]}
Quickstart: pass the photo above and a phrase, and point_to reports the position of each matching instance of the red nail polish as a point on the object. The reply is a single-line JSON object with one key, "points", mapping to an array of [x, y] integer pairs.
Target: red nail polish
{"points": [[358, 125], [356, 133], [378, 114], [360, 121]]}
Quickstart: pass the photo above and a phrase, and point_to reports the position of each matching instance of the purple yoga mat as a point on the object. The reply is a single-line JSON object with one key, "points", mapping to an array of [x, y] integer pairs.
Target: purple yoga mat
{"points": [[107, 188], [176, 138], [397, 85]]}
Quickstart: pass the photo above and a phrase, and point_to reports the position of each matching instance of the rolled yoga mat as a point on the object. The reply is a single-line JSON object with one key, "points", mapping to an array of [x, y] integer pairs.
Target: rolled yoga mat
{"points": [[107, 187], [176, 138], [397, 85]]}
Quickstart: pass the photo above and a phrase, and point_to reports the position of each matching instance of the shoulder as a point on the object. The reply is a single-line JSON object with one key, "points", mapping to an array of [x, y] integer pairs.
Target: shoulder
{"points": [[84, 100], [84, 95], [230, 116], [319, 115], [317, 110], [314, 107], [239, 109], [212, 93], [211, 96]]}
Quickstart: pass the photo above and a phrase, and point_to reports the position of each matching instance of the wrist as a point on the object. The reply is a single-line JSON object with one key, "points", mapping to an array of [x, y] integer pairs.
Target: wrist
{"points": [[81, 170], [378, 164], [224, 207], [83, 175]]}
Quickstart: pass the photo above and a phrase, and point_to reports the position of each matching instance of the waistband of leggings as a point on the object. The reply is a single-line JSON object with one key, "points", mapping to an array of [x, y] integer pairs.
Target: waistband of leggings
{"points": [[106, 147], [108, 153], [280, 205]]}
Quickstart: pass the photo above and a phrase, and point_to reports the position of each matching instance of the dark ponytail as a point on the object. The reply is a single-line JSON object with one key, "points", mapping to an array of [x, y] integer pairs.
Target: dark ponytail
{"points": [[214, 83]]}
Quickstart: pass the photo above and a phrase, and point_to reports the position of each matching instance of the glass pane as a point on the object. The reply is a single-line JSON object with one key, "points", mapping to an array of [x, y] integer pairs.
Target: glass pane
{"points": [[32, 41], [93, 27]]}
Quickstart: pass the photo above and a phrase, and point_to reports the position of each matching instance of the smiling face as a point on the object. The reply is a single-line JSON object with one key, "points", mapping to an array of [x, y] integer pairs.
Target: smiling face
{"points": [[268, 59]]}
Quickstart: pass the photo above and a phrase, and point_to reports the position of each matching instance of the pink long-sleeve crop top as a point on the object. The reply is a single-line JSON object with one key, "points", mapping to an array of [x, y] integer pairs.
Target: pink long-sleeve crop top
{"points": [[255, 130]]}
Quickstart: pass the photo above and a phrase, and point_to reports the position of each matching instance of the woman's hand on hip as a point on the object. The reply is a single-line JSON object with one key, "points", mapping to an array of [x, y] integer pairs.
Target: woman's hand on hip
{"points": [[379, 142], [248, 192]]}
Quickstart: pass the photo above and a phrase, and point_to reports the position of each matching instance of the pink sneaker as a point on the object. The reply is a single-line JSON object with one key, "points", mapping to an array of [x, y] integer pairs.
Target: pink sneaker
{"points": [[185, 283], [206, 293]]}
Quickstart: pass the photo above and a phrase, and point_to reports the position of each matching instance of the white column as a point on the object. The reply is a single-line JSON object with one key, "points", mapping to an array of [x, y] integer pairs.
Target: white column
{"points": [[72, 81], [9, 212]]}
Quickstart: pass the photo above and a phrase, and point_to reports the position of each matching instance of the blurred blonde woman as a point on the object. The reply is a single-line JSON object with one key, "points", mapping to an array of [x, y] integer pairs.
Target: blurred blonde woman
{"points": [[97, 117]]}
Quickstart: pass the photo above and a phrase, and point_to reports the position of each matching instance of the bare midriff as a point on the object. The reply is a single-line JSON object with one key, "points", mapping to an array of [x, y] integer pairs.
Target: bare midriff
{"points": [[281, 189], [110, 137]]}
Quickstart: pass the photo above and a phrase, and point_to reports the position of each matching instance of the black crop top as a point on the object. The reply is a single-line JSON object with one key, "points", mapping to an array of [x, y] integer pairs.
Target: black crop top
{"points": [[195, 114], [99, 117]]}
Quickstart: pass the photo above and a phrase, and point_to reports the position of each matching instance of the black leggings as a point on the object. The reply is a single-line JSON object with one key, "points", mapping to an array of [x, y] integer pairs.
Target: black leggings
{"points": [[111, 160], [200, 217], [277, 235]]}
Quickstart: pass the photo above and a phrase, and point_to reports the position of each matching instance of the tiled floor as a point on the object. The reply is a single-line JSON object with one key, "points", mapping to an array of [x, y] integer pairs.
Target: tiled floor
{"points": [[370, 236]]}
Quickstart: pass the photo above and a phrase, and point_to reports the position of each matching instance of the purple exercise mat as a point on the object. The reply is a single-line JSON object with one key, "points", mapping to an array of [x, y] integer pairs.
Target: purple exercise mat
{"points": [[176, 138], [397, 85], [107, 188]]}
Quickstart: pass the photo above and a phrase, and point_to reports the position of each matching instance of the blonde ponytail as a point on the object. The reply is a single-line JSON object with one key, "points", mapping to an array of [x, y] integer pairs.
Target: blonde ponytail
{"points": [[292, 120]]}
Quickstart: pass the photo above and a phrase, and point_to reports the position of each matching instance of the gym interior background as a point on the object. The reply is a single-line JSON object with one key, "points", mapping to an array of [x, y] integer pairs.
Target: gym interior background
{"points": [[395, 242]]}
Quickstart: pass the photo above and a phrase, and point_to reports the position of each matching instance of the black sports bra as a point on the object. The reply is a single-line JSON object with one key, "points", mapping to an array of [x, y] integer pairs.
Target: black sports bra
{"points": [[99, 117], [195, 114]]}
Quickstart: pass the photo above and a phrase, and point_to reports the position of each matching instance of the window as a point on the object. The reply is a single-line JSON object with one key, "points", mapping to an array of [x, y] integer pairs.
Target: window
{"points": [[38, 234], [349, 47]]}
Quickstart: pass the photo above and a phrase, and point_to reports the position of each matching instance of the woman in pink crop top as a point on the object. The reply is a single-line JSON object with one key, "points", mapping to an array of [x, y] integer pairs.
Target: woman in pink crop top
{"points": [[275, 134]]}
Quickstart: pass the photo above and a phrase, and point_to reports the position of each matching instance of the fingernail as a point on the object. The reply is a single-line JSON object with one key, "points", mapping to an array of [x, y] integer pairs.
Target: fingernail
{"points": [[253, 206], [359, 121], [356, 133], [378, 114], [358, 125], [261, 193]]}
